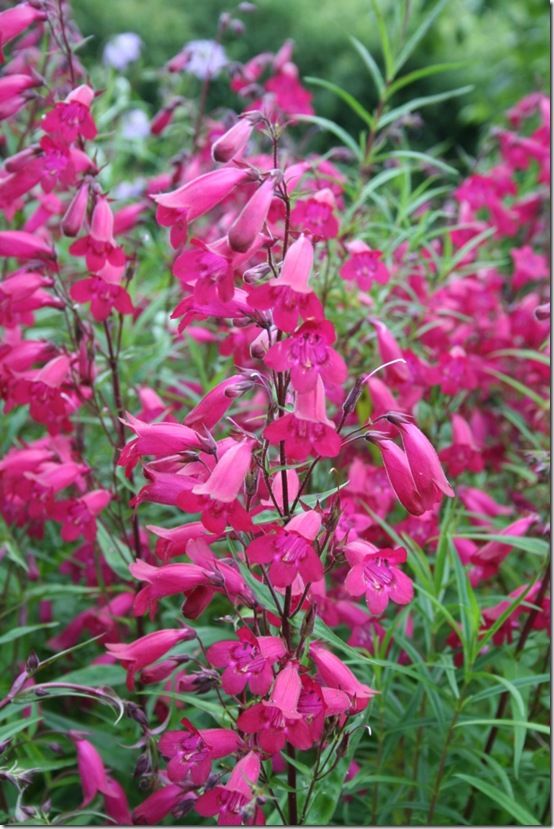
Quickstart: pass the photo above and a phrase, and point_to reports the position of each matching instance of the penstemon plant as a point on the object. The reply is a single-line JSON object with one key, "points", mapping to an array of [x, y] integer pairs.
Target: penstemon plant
{"points": [[229, 370]]}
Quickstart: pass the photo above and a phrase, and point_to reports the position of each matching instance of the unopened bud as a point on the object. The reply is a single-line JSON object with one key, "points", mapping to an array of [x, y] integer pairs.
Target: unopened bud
{"points": [[256, 274], [247, 8], [137, 714], [353, 396], [74, 217], [32, 663], [143, 766]]}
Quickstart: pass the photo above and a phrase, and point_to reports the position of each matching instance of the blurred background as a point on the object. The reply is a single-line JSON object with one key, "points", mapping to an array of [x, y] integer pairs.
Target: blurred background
{"points": [[503, 44]]}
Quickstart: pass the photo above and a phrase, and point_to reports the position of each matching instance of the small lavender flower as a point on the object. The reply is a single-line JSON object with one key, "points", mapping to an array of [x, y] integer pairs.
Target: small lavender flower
{"points": [[122, 50], [206, 58], [135, 124]]}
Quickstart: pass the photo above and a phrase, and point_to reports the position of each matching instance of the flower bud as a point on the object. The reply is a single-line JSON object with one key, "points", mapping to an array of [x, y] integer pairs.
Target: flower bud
{"points": [[74, 216]]}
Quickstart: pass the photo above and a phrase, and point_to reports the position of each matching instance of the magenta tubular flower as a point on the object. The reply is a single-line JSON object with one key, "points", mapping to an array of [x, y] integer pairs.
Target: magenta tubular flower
{"points": [[250, 221], [315, 215], [337, 675], [289, 296], [71, 119], [247, 662], [232, 143], [99, 248], [230, 800], [14, 21], [289, 551], [219, 492], [482, 505], [190, 752], [317, 702], [197, 197], [173, 542], [308, 431], [496, 551], [146, 650], [209, 274], [424, 462], [400, 476], [374, 573], [209, 411], [463, 453], [307, 354], [78, 516], [159, 804], [277, 720], [26, 246], [74, 216], [390, 350], [13, 85], [103, 297], [168, 580], [364, 266], [94, 779], [157, 439]]}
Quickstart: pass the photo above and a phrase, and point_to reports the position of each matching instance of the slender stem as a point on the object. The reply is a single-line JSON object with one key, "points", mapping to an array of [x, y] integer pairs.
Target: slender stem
{"points": [[442, 761]]}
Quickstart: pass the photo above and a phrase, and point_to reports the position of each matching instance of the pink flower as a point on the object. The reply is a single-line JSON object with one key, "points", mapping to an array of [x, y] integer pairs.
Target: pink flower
{"points": [[168, 580], [217, 496], [336, 674], [146, 650], [94, 779], [250, 221], [424, 462], [15, 20], [22, 245], [307, 355], [315, 215], [99, 247], [463, 453], [209, 411], [103, 297], [78, 515], [389, 350], [373, 573], [210, 274], [231, 800], [277, 720], [190, 751], [290, 551], [233, 142], [159, 804], [290, 96], [289, 295], [157, 439], [180, 207], [308, 431], [247, 662], [364, 266], [71, 119]]}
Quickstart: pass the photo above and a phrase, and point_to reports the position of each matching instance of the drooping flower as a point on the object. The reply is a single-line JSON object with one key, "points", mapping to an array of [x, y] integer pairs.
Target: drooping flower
{"points": [[147, 649], [337, 675]]}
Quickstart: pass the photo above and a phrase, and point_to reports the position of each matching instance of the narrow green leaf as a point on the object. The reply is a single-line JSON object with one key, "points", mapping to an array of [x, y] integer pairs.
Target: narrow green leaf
{"points": [[117, 554], [330, 126], [424, 72], [384, 40], [419, 33], [515, 809], [345, 96], [418, 103], [19, 632], [370, 63]]}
